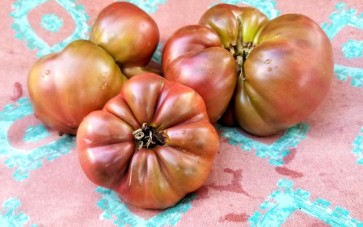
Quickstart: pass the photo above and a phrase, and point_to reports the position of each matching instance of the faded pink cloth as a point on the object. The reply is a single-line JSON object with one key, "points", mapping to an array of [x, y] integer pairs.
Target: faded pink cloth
{"points": [[312, 175]]}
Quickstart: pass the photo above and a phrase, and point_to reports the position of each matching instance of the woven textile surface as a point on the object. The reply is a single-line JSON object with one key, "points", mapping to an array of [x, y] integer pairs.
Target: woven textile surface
{"points": [[311, 175]]}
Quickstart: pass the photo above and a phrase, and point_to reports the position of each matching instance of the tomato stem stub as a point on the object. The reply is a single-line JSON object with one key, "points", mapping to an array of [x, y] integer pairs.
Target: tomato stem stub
{"points": [[241, 49], [148, 137]]}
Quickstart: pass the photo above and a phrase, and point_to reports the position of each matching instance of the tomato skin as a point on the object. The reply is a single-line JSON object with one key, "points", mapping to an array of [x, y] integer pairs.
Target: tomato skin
{"points": [[284, 66], [282, 87], [149, 177], [193, 56], [128, 33], [64, 87], [227, 20]]}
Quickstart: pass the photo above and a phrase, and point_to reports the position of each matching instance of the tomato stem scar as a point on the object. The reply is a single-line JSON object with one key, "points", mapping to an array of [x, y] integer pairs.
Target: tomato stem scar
{"points": [[241, 50], [148, 137]]}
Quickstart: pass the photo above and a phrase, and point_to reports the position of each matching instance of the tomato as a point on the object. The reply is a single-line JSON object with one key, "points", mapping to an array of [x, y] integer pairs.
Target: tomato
{"points": [[283, 66], [152, 144], [128, 33], [193, 56], [64, 87]]}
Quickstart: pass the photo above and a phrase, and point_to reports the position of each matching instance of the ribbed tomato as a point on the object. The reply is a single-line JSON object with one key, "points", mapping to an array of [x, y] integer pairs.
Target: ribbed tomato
{"points": [[129, 34], [66, 86], [283, 66], [152, 144]]}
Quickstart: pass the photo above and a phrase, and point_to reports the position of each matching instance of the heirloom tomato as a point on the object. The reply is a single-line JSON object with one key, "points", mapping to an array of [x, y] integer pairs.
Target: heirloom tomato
{"points": [[66, 86], [128, 33], [152, 144], [283, 66]]}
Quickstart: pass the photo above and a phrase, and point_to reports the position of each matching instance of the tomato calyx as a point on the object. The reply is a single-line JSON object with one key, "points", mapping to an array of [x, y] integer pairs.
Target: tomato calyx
{"points": [[148, 137], [241, 55], [241, 50]]}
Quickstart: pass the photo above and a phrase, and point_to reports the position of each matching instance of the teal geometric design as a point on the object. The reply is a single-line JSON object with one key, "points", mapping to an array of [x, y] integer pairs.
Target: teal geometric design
{"points": [[35, 133], [353, 49], [148, 6], [24, 161], [158, 53], [358, 147], [25, 32], [11, 217], [268, 7], [338, 20], [284, 201], [52, 22], [343, 73], [114, 208], [276, 151]]}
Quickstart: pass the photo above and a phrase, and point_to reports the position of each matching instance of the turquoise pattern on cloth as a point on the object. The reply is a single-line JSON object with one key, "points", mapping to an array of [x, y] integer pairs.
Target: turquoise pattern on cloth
{"points": [[284, 201], [114, 208], [24, 31], [358, 147], [275, 152], [11, 217], [353, 49], [52, 22], [24, 161], [339, 19]]}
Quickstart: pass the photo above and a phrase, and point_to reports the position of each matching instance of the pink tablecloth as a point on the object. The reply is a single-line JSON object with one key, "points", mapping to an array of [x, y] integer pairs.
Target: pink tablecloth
{"points": [[312, 175]]}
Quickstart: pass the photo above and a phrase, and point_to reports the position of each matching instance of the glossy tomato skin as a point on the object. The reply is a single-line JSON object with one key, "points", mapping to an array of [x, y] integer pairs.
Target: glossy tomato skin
{"points": [[193, 56], [233, 23], [149, 177], [287, 75], [64, 87], [284, 66], [128, 33]]}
